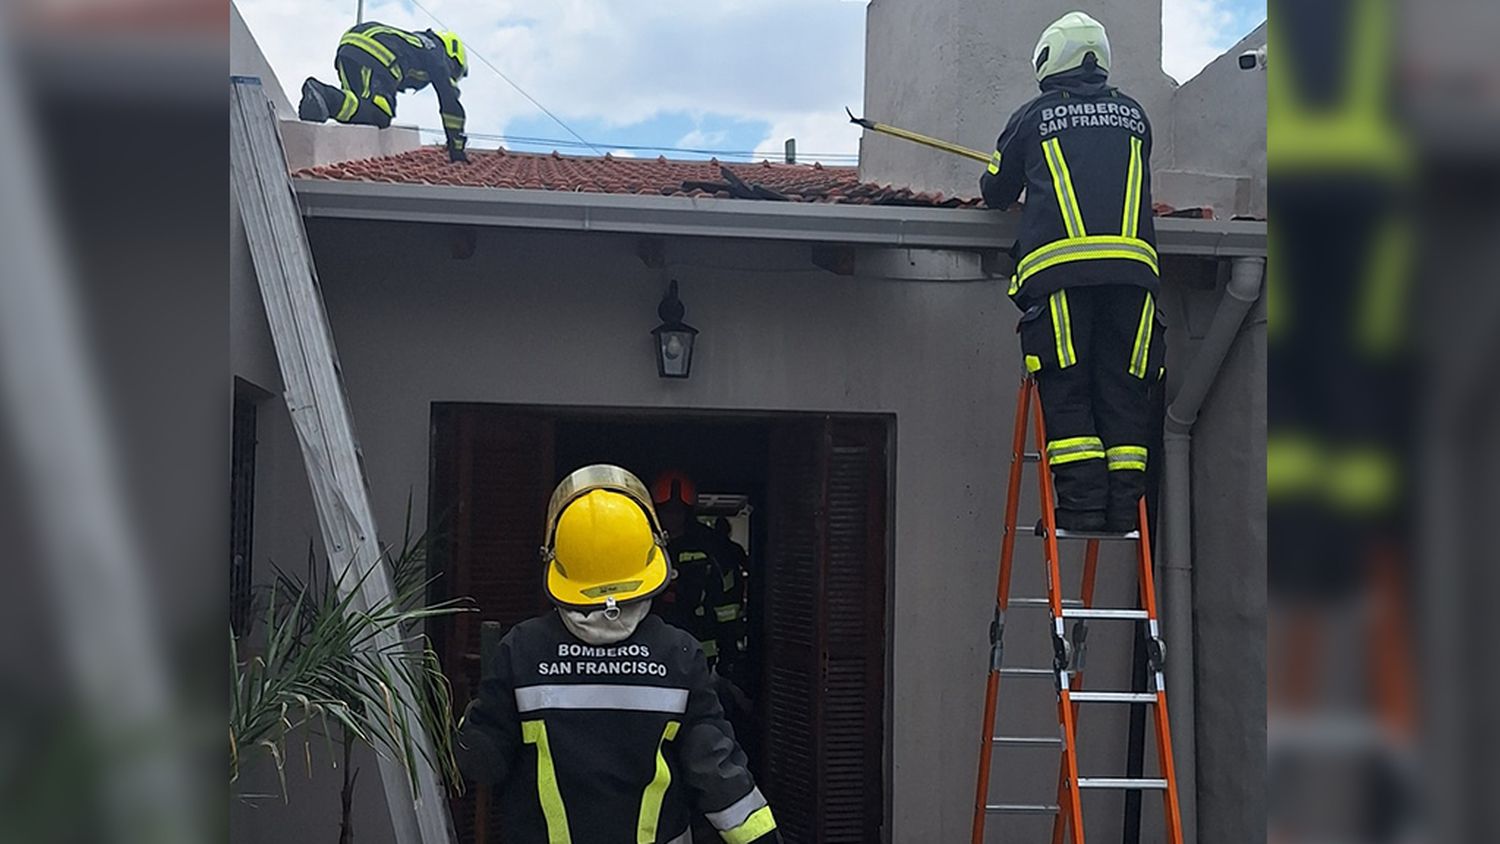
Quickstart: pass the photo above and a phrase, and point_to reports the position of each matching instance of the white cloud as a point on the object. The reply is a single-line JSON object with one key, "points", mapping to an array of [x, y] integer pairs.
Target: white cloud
{"points": [[792, 63], [614, 61], [1194, 33]]}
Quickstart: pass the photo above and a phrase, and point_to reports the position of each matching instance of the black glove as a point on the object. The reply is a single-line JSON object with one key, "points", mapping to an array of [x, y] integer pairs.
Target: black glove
{"points": [[456, 146]]}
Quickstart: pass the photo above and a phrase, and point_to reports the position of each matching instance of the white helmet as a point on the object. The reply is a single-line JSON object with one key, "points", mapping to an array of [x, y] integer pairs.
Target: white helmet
{"points": [[1064, 45]]}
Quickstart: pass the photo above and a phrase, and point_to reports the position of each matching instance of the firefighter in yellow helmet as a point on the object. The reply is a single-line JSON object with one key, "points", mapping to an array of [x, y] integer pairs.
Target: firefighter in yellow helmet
{"points": [[598, 722], [373, 62]]}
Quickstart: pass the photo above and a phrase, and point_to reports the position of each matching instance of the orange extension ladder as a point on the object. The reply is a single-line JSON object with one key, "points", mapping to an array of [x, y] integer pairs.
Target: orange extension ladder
{"points": [[1066, 671]]}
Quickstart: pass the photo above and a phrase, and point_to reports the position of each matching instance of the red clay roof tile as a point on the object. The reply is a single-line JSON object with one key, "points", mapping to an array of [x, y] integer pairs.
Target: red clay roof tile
{"points": [[503, 169], [610, 174]]}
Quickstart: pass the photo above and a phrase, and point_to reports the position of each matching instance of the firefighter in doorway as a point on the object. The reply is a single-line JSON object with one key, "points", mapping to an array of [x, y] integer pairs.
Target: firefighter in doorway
{"points": [[1086, 276], [598, 722], [707, 598]]}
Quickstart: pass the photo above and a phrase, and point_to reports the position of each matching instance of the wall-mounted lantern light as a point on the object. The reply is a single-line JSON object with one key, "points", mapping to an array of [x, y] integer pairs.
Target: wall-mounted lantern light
{"points": [[674, 338]]}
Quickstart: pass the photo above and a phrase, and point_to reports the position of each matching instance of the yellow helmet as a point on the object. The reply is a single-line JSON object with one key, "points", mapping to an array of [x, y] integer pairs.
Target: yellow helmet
{"points": [[604, 543], [455, 50]]}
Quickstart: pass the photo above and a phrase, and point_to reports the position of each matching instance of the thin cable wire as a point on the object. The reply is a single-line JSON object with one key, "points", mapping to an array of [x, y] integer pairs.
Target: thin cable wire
{"points": [[511, 82]]}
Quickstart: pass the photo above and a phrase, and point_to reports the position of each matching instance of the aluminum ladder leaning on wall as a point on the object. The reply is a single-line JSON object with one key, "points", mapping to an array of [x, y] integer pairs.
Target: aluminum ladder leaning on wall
{"points": [[321, 417]]}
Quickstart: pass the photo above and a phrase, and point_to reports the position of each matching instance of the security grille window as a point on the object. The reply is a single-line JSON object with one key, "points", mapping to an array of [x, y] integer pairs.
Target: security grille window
{"points": [[241, 511]]}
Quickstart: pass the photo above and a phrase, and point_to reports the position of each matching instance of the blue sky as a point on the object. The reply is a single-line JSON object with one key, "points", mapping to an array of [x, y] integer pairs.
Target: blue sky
{"points": [[736, 76]]}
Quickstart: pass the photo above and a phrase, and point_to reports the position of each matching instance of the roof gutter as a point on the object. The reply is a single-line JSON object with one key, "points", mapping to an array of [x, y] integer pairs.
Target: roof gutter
{"points": [[882, 225]]}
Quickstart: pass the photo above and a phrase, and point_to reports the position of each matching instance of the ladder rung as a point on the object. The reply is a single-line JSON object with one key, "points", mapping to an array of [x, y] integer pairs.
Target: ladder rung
{"points": [[1128, 784], [1120, 615], [1027, 741], [1063, 533], [1027, 672], [1041, 602], [1030, 456], [1021, 808], [1112, 697]]}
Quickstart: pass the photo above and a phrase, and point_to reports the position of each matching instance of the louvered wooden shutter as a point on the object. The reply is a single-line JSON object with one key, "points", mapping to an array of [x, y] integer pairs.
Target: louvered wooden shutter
{"points": [[825, 630], [493, 475], [853, 643]]}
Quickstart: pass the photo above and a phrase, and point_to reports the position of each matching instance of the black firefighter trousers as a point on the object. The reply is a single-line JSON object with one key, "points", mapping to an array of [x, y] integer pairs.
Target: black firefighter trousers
{"points": [[366, 94], [1095, 352]]}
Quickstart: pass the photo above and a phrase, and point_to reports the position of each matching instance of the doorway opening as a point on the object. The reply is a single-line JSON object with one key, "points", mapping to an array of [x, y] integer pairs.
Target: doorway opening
{"points": [[806, 498]]}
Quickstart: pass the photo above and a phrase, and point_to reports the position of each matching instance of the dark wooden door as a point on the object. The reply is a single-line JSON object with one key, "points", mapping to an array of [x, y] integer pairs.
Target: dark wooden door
{"points": [[492, 475], [825, 632]]}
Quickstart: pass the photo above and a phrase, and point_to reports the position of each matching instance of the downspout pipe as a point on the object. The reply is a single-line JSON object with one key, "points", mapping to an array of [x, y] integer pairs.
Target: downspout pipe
{"points": [[1246, 278]]}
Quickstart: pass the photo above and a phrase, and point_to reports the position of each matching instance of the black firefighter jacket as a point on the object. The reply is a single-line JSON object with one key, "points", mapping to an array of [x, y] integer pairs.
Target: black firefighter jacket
{"points": [[1082, 152], [409, 61], [612, 744]]}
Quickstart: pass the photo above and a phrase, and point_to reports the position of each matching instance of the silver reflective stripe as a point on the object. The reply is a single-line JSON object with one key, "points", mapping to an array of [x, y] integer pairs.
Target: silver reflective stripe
{"points": [[1088, 249], [738, 812], [685, 838], [634, 698]]}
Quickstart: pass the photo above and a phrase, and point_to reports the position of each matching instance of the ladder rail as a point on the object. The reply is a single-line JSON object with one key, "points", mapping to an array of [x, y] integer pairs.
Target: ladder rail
{"points": [[1002, 599], [1071, 811], [1163, 727]]}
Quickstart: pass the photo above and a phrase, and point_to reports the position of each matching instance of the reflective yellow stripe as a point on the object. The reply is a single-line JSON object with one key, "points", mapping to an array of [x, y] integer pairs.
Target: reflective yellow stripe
{"points": [[710, 648], [1362, 479], [1062, 183], [727, 612], [1074, 449], [1088, 248], [1015, 285], [759, 823], [383, 104], [1142, 347], [1360, 130], [1062, 329], [1130, 222], [655, 790], [1294, 465], [350, 105], [369, 45], [1126, 457], [364, 77], [995, 163], [414, 40], [535, 732], [453, 122], [1388, 273], [1033, 363]]}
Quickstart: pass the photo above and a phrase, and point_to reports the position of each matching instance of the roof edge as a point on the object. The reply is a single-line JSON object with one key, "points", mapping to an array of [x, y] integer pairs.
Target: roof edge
{"points": [[884, 225]]}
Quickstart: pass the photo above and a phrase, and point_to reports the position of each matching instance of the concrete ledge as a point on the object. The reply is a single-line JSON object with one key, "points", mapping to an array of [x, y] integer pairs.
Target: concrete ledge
{"points": [[313, 144]]}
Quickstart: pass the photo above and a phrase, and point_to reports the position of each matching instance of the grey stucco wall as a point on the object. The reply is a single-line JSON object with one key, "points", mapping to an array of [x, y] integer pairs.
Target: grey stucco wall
{"points": [[558, 319], [1218, 127], [246, 59], [1229, 574], [956, 69]]}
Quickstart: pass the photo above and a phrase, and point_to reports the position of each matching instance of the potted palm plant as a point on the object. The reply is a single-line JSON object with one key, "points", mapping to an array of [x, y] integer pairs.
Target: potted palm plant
{"points": [[314, 670]]}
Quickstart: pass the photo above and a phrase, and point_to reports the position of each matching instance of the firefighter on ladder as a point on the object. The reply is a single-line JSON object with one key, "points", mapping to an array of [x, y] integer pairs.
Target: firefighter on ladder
{"points": [[598, 722], [373, 62], [1086, 277]]}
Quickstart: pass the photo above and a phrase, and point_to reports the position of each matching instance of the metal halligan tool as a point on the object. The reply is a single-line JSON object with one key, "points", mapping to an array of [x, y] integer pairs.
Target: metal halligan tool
{"points": [[918, 138], [490, 633]]}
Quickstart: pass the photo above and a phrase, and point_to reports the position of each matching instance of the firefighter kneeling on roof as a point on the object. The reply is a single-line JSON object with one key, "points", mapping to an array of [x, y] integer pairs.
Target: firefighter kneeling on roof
{"points": [[594, 755]]}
